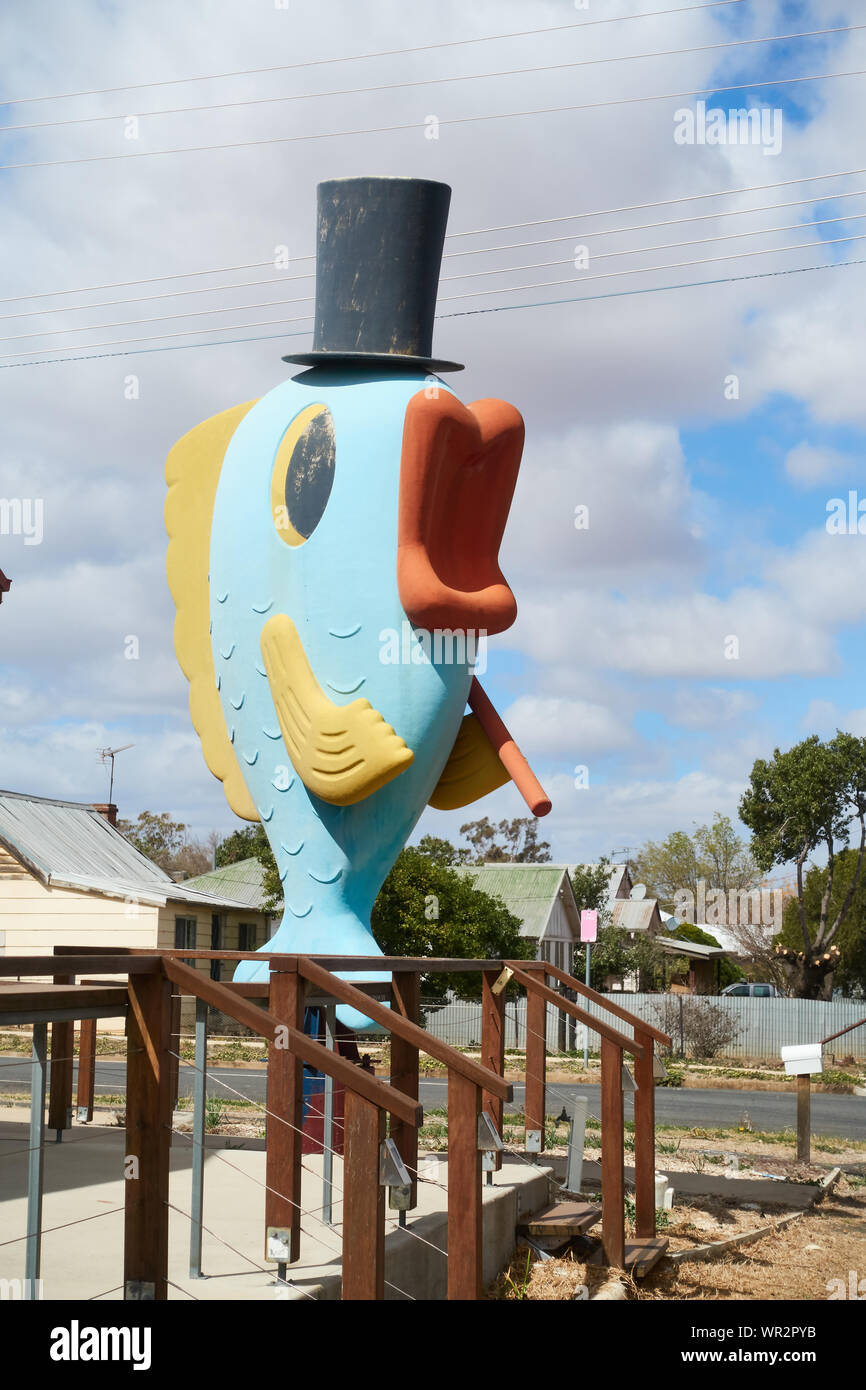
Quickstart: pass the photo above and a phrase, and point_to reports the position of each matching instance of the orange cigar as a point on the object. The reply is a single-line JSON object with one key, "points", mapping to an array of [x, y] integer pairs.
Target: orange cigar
{"points": [[510, 755]]}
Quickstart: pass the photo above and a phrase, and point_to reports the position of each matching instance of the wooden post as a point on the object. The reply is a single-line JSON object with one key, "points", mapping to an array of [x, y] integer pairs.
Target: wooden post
{"points": [[644, 1138], [174, 1058], [62, 1046], [804, 1119], [148, 1137], [536, 1063], [86, 1068], [493, 1045], [465, 1232], [283, 1142], [363, 1201], [612, 1137], [406, 1000]]}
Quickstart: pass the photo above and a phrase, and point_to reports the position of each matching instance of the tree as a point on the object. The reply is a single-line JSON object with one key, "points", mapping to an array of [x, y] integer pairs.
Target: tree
{"points": [[510, 842], [427, 908], [714, 854], [591, 884], [166, 842], [247, 843], [850, 970], [800, 801]]}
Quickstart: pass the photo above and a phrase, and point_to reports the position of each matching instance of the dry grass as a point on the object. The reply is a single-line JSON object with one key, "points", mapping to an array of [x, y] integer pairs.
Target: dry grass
{"points": [[795, 1263], [557, 1280]]}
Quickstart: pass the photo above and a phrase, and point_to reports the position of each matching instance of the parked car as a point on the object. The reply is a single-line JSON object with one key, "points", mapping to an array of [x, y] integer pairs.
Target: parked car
{"points": [[755, 991]]}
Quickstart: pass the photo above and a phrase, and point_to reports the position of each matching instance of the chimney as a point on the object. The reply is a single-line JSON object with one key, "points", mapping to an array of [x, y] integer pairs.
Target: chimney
{"points": [[107, 809]]}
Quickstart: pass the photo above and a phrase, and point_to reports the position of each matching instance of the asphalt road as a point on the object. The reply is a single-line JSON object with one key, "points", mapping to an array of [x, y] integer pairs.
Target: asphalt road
{"points": [[840, 1115]]}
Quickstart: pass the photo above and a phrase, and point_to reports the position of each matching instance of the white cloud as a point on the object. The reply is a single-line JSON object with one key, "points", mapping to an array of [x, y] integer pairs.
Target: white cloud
{"points": [[577, 728], [808, 464]]}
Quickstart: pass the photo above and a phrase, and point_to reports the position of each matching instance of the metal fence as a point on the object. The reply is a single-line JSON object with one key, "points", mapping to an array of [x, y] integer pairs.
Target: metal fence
{"points": [[762, 1026]]}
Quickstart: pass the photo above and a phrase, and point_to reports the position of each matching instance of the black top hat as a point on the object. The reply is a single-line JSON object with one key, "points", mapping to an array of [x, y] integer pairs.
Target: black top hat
{"points": [[377, 272]]}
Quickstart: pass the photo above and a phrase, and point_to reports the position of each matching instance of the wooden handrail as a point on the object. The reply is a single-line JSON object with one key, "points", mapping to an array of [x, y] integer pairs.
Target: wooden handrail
{"points": [[266, 1024], [627, 1017], [842, 1031], [596, 1024], [84, 964], [396, 1023]]}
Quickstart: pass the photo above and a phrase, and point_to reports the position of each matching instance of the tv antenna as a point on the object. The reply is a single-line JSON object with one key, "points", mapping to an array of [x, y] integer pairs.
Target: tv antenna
{"points": [[109, 754]]}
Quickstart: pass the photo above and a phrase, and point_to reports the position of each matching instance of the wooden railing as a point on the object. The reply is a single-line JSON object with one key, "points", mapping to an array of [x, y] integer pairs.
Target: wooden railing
{"points": [[613, 1045], [275, 1010]]}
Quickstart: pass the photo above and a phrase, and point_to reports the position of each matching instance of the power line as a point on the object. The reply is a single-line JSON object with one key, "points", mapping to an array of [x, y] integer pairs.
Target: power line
{"points": [[508, 226], [454, 314], [663, 202], [446, 299], [663, 246], [444, 121], [645, 270], [427, 81], [502, 270], [666, 222], [382, 53]]}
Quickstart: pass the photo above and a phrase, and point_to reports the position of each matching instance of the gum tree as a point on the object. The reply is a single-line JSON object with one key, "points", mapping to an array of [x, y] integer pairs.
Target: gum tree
{"points": [[802, 801]]}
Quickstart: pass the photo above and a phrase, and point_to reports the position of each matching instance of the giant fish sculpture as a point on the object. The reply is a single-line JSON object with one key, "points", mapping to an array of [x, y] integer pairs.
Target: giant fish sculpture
{"points": [[333, 552]]}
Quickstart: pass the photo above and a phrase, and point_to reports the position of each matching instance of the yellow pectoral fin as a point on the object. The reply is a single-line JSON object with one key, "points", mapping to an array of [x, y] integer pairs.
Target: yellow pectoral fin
{"points": [[472, 770], [342, 753]]}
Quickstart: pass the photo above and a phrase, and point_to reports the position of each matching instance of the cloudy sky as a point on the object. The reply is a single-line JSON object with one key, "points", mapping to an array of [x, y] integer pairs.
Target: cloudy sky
{"points": [[704, 615]]}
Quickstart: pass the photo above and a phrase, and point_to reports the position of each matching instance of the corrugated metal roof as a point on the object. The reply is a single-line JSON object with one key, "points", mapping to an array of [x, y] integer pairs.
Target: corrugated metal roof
{"points": [[635, 914], [243, 881], [529, 891], [671, 947], [70, 845]]}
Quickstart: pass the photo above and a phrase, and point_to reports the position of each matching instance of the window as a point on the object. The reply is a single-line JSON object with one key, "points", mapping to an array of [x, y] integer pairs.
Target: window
{"points": [[741, 989], [763, 991], [216, 944], [246, 936], [185, 935]]}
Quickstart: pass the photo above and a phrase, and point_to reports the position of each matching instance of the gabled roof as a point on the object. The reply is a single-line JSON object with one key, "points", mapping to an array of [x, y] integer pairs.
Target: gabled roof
{"points": [[636, 914], [619, 884], [243, 881], [530, 891], [68, 844]]}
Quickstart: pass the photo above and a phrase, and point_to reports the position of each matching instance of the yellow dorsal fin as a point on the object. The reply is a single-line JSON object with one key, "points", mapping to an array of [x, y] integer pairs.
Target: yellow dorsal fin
{"points": [[192, 472], [473, 769]]}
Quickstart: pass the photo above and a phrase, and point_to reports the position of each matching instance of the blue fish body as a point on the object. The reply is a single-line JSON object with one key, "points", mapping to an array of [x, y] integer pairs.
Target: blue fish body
{"points": [[340, 589]]}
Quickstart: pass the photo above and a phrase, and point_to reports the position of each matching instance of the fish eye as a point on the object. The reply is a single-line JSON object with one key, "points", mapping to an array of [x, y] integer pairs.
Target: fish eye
{"points": [[303, 474]]}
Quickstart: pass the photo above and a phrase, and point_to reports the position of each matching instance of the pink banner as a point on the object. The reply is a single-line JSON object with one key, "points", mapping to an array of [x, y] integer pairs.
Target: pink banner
{"points": [[588, 924]]}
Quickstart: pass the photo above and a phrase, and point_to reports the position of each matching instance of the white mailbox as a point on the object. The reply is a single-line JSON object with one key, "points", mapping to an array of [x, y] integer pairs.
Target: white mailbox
{"points": [[802, 1060]]}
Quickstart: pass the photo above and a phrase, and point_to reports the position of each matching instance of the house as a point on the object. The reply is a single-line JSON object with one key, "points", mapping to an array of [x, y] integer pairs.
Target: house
{"points": [[542, 897], [68, 877]]}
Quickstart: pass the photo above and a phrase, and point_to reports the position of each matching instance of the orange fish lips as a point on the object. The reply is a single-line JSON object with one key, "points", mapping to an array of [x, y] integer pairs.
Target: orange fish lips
{"points": [[457, 475]]}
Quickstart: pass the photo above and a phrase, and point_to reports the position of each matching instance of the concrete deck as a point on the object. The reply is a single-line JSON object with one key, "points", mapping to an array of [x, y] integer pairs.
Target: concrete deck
{"points": [[84, 1184]]}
